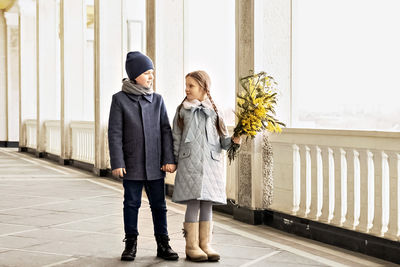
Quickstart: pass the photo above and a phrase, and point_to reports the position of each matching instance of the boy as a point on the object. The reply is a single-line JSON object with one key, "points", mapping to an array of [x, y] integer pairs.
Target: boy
{"points": [[141, 150]]}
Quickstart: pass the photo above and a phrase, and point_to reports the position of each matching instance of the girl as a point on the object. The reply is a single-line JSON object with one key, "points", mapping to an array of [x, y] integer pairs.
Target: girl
{"points": [[140, 142], [199, 136]]}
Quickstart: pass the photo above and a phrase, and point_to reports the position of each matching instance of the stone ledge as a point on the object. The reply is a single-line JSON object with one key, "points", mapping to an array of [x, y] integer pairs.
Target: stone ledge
{"points": [[333, 235], [9, 144]]}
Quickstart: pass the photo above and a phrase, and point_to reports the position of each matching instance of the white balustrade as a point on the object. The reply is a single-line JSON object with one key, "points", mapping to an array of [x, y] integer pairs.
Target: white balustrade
{"points": [[385, 193], [356, 189], [320, 182], [30, 133], [331, 168], [296, 179], [349, 179], [343, 187], [82, 133], [53, 137]]}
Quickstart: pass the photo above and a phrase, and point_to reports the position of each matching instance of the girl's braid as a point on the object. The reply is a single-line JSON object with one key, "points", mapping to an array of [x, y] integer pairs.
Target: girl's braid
{"points": [[180, 119], [217, 125]]}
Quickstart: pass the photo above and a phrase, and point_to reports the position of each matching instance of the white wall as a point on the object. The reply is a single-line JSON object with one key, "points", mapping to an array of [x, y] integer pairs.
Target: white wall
{"points": [[134, 39], [169, 53], [209, 44]]}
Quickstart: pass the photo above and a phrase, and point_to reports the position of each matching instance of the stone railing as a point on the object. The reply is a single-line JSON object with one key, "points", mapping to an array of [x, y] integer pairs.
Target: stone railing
{"points": [[82, 140], [349, 179], [30, 133], [53, 137]]}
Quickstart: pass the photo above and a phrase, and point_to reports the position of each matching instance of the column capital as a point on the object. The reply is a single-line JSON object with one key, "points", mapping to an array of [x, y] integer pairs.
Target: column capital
{"points": [[11, 18]]}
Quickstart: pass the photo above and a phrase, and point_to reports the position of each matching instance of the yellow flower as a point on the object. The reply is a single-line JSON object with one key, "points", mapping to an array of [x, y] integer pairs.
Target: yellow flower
{"points": [[259, 101], [260, 112]]}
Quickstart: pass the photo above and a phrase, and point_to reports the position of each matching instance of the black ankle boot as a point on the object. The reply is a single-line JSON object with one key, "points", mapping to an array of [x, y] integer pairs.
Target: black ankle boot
{"points": [[129, 252], [164, 250]]}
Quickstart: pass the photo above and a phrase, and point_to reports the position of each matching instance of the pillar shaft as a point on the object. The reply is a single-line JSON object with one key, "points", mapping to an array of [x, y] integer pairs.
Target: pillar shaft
{"points": [[244, 63], [12, 77], [48, 94], [27, 66], [108, 70], [3, 78], [72, 34], [151, 32]]}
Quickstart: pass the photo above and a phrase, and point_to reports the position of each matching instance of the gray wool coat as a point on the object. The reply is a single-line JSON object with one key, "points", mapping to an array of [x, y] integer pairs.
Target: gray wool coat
{"points": [[139, 136], [197, 150]]}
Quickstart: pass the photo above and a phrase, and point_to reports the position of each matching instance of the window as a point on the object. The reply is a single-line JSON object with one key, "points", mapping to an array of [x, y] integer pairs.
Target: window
{"points": [[346, 60]]}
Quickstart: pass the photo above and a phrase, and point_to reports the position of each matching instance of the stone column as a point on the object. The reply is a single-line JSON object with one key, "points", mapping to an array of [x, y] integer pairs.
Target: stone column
{"points": [[151, 33], [27, 66], [3, 78], [263, 43], [273, 54], [12, 78], [72, 35], [244, 63], [48, 100], [249, 164], [108, 71]]}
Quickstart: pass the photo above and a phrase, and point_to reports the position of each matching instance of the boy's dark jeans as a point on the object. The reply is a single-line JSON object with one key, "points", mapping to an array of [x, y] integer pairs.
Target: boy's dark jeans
{"points": [[132, 201]]}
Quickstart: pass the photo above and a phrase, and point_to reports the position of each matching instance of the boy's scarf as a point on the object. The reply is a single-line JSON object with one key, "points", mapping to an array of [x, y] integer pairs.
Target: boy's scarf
{"points": [[130, 87]]}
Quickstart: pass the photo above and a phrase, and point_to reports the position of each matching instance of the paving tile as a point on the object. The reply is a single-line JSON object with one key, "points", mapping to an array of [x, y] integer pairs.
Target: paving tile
{"points": [[288, 258], [49, 234], [12, 228], [79, 223], [109, 246], [31, 259], [26, 212], [9, 219], [20, 242]]}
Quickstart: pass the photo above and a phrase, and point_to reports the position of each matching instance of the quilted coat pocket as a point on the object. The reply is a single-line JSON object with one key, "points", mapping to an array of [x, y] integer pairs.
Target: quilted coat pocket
{"points": [[184, 154], [216, 155]]}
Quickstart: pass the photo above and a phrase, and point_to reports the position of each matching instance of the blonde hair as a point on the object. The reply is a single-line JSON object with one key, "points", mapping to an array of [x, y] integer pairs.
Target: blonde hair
{"points": [[204, 81]]}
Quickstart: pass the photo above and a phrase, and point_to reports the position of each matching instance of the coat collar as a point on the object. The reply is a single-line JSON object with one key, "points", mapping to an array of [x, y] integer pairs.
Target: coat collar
{"points": [[196, 103], [149, 98]]}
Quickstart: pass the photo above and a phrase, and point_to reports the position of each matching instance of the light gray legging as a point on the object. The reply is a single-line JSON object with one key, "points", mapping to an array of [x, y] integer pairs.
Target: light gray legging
{"points": [[192, 211]]}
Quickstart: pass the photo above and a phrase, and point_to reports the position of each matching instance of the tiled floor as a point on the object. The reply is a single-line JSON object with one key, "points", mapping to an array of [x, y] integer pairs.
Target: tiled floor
{"points": [[52, 215]]}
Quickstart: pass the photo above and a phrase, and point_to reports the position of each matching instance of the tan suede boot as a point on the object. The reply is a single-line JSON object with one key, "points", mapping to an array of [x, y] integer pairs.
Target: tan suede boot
{"points": [[205, 240], [193, 251]]}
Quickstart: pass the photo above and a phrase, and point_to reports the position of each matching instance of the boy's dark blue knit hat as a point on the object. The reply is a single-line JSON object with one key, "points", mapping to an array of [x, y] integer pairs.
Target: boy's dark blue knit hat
{"points": [[137, 63]]}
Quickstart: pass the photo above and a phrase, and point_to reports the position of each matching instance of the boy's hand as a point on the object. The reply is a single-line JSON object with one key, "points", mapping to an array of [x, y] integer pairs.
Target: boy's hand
{"points": [[119, 172], [169, 168]]}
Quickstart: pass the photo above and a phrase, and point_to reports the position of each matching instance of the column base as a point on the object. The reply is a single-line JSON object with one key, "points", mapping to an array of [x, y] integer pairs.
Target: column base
{"points": [[100, 172], [22, 149], [65, 161], [40, 154]]}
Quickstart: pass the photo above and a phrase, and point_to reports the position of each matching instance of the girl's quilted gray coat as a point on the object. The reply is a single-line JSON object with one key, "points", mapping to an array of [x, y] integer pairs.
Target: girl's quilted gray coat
{"points": [[197, 150]]}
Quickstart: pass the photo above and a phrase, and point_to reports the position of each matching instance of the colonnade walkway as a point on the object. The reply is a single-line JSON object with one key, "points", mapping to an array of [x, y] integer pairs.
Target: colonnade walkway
{"points": [[53, 215]]}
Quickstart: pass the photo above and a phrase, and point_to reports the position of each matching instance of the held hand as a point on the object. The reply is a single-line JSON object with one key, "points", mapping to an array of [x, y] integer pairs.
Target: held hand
{"points": [[237, 139], [172, 168], [119, 172], [168, 168]]}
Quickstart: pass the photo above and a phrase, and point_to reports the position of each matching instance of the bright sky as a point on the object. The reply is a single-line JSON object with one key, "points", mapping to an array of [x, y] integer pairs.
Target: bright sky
{"points": [[346, 56]]}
